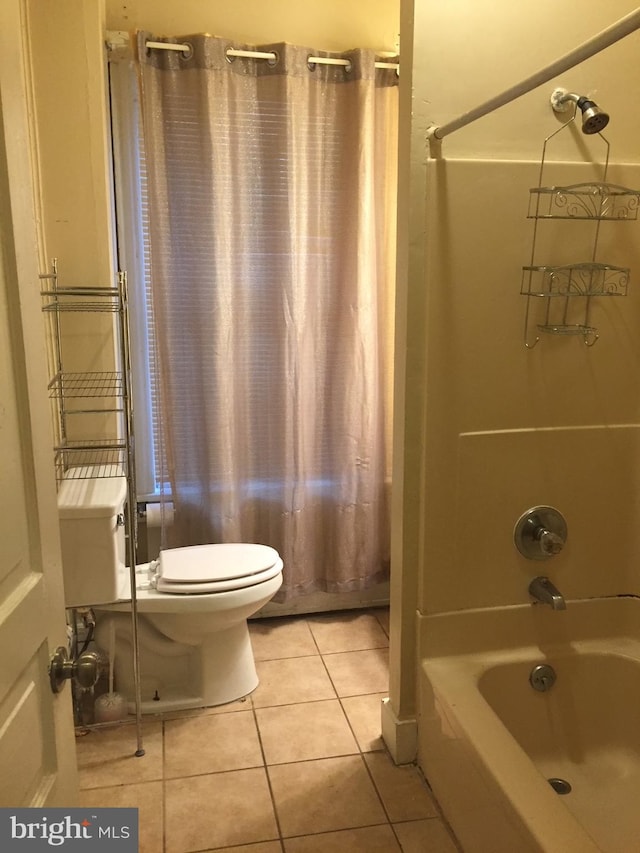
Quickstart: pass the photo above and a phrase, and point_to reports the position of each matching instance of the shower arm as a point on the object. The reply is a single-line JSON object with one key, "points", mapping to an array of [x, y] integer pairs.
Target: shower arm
{"points": [[624, 27]]}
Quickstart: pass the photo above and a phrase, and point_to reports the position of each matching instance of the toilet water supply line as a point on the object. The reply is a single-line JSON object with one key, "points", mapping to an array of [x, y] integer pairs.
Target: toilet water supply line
{"points": [[624, 27]]}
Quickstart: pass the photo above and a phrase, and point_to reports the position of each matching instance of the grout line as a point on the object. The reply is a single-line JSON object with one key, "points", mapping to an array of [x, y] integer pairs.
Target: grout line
{"points": [[326, 669], [331, 831], [346, 716], [313, 637], [268, 777], [379, 795]]}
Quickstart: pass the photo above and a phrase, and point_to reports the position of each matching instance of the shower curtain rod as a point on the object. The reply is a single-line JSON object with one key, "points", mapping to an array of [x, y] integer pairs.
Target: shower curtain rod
{"points": [[269, 55], [624, 27]]}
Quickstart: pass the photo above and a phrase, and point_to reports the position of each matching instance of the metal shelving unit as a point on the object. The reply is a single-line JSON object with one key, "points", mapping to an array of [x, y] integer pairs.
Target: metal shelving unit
{"points": [[77, 395], [562, 293]]}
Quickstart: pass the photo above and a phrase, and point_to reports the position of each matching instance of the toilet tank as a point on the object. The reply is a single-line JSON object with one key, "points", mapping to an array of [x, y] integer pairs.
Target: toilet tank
{"points": [[91, 512]]}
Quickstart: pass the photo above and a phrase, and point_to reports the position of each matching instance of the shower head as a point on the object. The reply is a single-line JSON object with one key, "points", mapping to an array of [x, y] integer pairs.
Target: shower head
{"points": [[593, 118]]}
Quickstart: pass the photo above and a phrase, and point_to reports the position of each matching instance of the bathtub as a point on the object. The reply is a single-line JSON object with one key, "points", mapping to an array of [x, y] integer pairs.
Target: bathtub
{"points": [[489, 742]]}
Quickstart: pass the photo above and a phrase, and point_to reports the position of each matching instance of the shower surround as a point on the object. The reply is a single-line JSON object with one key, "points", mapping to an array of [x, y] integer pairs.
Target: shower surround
{"points": [[507, 428]]}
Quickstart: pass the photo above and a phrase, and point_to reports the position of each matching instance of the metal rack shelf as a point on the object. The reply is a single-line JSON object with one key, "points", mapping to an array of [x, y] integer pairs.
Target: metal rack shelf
{"points": [[567, 289], [111, 455], [594, 200], [589, 333], [81, 299], [585, 279], [87, 385], [90, 460]]}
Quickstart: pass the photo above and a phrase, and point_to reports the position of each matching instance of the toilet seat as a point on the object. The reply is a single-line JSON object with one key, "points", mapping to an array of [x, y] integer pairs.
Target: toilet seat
{"points": [[206, 569]]}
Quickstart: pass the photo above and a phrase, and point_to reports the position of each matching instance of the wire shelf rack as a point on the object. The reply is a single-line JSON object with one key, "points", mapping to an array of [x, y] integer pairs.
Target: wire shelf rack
{"points": [[595, 200], [90, 459], [96, 384], [81, 299], [566, 290]]}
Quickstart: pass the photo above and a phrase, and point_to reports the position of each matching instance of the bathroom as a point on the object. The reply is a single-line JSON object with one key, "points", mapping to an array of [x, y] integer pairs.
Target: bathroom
{"points": [[484, 426]]}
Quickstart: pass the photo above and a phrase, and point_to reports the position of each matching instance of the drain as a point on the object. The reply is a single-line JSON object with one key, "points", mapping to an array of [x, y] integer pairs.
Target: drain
{"points": [[560, 786], [542, 677]]}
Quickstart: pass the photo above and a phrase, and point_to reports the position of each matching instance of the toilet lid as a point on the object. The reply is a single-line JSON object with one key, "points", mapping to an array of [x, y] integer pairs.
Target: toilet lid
{"points": [[219, 567]]}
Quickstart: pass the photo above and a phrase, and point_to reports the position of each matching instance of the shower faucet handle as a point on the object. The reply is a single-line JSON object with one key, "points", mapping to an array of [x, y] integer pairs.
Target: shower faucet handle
{"points": [[550, 542], [540, 533]]}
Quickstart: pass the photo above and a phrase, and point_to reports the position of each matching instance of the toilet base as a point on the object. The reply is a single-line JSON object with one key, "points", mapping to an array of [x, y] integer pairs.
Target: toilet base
{"points": [[178, 676], [228, 670]]}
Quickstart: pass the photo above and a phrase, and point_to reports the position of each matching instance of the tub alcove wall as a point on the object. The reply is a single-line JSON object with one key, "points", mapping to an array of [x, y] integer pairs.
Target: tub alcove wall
{"points": [[502, 427]]}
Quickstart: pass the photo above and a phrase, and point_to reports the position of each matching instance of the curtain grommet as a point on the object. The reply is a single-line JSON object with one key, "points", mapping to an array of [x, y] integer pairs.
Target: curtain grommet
{"points": [[275, 60], [188, 53]]}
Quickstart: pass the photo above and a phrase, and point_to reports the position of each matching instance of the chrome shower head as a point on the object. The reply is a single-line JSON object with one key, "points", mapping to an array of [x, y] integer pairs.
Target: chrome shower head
{"points": [[593, 118]]}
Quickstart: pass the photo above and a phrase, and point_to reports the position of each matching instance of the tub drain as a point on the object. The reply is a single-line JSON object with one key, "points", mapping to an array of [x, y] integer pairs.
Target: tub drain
{"points": [[560, 786]]}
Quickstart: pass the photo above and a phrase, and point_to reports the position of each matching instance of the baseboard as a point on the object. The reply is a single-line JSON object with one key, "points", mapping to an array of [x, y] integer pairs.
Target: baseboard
{"points": [[400, 736], [319, 602]]}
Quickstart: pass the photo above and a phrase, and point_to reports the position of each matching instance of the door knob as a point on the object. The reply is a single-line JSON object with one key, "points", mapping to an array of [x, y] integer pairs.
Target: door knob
{"points": [[84, 669]]}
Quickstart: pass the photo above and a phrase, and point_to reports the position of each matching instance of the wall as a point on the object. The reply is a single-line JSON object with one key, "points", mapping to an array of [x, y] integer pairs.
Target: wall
{"points": [[509, 427], [330, 25], [74, 195]]}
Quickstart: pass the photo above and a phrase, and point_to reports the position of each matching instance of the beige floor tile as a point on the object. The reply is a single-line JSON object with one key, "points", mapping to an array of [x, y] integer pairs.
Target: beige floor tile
{"points": [[308, 730], [364, 715], [218, 810], [403, 790], [324, 795], [285, 682], [372, 839], [146, 797], [210, 744], [106, 756], [347, 632], [281, 638], [357, 673], [425, 836]]}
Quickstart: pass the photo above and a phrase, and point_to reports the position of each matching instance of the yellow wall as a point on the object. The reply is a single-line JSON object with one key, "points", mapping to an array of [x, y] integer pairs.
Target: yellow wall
{"points": [[329, 25], [69, 85], [507, 427]]}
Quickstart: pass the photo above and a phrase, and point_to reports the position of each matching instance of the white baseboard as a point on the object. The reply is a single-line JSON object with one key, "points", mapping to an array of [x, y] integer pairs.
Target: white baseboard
{"points": [[400, 736]]}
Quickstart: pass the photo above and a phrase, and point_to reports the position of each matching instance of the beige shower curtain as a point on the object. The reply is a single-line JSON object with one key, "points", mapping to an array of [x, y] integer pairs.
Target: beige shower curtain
{"points": [[271, 223]]}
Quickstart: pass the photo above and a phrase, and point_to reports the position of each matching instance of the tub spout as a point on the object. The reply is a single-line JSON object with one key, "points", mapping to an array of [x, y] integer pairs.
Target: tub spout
{"points": [[545, 592]]}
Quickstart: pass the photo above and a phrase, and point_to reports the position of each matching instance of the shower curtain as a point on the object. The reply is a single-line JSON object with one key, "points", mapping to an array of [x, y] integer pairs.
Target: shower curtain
{"points": [[271, 234]]}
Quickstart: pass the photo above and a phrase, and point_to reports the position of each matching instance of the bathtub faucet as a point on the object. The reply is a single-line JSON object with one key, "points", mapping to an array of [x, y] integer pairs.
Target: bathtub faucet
{"points": [[545, 592]]}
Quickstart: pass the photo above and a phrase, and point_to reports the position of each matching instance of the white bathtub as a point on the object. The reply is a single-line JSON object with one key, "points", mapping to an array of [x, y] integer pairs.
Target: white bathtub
{"points": [[488, 741]]}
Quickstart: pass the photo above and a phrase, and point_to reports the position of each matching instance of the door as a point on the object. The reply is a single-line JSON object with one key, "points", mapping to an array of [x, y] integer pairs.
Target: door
{"points": [[37, 749]]}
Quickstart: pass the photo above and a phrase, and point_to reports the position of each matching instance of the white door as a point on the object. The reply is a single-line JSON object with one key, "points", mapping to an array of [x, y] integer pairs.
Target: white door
{"points": [[37, 749]]}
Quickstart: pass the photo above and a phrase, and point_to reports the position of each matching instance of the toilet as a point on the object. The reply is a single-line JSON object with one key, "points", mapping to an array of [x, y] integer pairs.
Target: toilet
{"points": [[193, 602]]}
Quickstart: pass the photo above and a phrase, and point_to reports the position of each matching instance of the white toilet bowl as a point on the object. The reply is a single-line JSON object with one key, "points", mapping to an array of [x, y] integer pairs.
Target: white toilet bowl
{"points": [[193, 605]]}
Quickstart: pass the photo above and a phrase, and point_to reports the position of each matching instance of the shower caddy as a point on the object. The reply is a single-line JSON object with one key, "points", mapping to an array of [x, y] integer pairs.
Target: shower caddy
{"points": [[106, 394], [566, 290]]}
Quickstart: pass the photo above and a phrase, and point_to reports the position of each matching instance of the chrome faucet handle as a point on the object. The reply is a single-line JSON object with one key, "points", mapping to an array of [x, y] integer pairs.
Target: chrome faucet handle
{"points": [[540, 533], [550, 542]]}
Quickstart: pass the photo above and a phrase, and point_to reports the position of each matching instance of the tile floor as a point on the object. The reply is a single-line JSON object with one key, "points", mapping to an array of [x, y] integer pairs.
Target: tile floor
{"points": [[298, 766]]}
